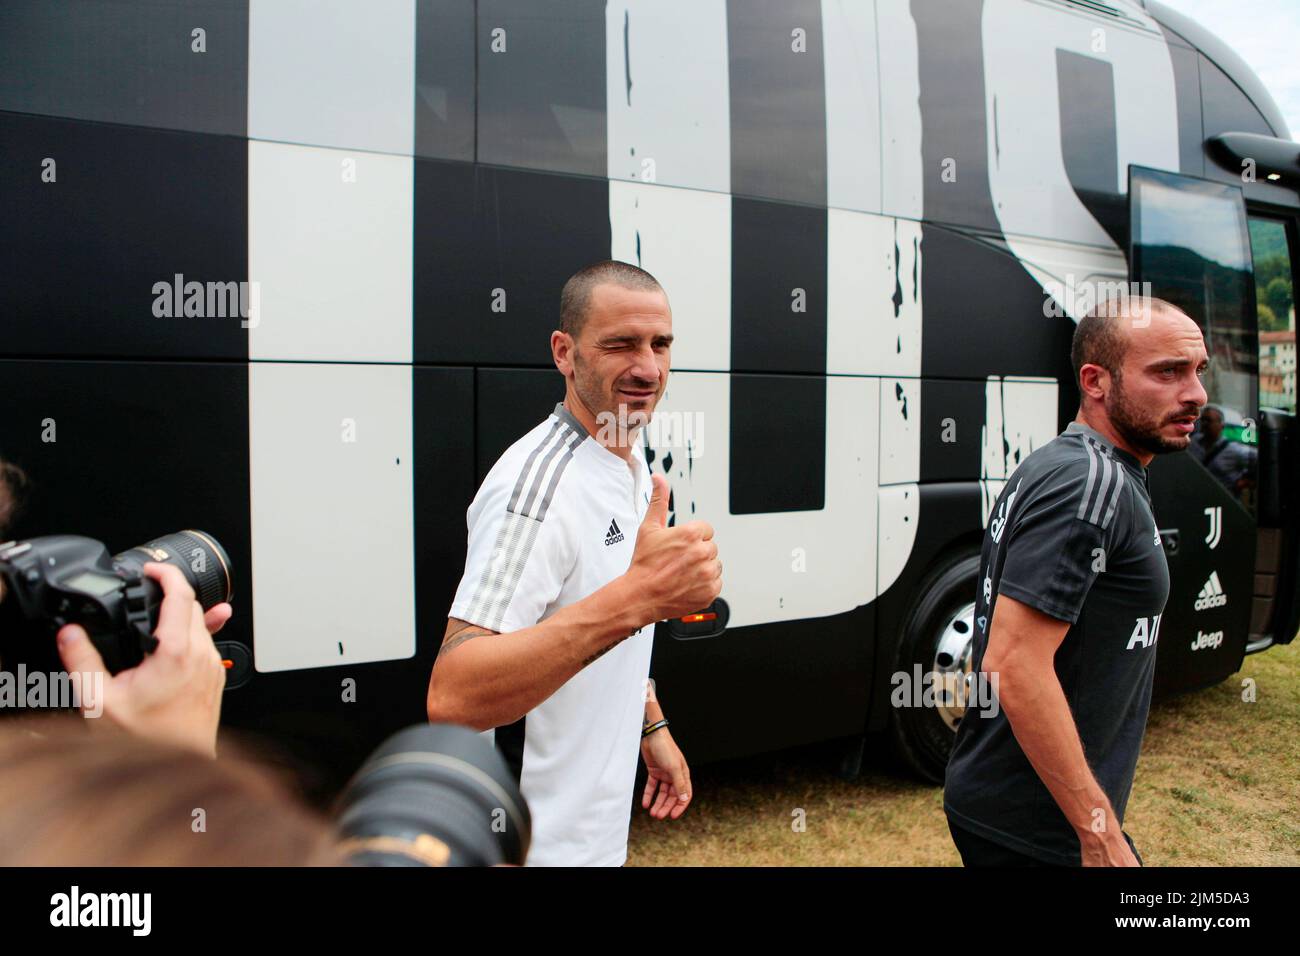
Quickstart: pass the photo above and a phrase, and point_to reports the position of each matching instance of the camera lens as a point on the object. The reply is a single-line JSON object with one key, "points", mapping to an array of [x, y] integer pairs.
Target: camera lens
{"points": [[199, 556], [434, 795]]}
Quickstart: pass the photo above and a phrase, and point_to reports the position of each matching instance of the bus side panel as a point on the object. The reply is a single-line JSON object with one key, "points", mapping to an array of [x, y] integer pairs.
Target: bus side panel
{"points": [[949, 523], [985, 316], [492, 249], [98, 260], [767, 686]]}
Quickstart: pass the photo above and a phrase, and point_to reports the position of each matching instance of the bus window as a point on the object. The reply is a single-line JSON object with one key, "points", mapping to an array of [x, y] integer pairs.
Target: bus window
{"points": [[1190, 241], [1275, 307]]}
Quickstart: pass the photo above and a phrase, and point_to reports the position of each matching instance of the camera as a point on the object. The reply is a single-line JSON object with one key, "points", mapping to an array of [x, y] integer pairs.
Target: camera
{"points": [[434, 795], [69, 579]]}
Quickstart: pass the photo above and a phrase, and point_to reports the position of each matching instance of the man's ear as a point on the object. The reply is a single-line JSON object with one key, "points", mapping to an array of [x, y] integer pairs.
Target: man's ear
{"points": [[562, 347], [1094, 381]]}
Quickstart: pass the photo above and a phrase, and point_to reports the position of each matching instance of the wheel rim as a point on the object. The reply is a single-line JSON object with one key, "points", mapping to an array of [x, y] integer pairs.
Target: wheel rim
{"points": [[952, 664]]}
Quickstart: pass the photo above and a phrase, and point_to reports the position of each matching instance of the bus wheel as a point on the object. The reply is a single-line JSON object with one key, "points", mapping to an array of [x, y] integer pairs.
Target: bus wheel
{"points": [[937, 641]]}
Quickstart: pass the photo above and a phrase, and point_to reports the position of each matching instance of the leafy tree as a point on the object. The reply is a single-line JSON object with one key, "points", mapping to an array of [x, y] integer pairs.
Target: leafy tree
{"points": [[1269, 268], [1277, 296]]}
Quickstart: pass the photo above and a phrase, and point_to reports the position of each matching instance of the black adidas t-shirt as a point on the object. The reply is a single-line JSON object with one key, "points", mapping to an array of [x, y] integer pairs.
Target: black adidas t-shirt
{"points": [[1072, 534]]}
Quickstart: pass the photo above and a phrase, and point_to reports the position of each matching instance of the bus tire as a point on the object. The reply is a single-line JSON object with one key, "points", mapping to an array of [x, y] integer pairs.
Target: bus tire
{"points": [[937, 634]]}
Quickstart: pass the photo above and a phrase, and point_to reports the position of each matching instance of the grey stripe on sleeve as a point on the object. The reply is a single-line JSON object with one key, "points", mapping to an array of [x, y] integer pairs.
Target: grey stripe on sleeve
{"points": [[1108, 471], [1113, 503], [1092, 476], [519, 529], [528, 466], [535, 486], [493, 572], [522, 534], [574, 441]]}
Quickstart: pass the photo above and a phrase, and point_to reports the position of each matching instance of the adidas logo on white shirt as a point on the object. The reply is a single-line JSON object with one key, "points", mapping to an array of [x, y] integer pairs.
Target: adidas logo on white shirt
{"points": [[1211, 594], [613, 535]]}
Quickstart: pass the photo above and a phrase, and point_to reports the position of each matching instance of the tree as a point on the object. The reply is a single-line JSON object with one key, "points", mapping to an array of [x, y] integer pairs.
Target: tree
{"points": [[1267, 320], [1277, 296]]}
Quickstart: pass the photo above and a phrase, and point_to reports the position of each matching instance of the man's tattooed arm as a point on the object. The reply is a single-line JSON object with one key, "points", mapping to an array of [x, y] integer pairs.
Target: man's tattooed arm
{"points": [[603, 650], [458, 632], [606, 649]]}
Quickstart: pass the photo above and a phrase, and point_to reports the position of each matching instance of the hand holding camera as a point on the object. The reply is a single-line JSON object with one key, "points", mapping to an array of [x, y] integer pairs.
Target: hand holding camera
{"points": [[174, 694], [137, 618]]}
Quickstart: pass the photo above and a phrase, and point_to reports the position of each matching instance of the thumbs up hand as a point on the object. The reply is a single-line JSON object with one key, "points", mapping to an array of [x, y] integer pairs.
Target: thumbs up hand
{"points": [[675, 571], [657, 515]]}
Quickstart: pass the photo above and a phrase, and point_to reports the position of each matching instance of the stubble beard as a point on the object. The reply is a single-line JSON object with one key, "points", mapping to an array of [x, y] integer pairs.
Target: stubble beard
{"points": [[610, 413], [1138, 428]]}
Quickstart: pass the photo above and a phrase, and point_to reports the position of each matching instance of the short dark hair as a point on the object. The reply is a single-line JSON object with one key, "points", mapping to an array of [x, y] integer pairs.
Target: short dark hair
{"points": [[575, 298], [1100, 338]]}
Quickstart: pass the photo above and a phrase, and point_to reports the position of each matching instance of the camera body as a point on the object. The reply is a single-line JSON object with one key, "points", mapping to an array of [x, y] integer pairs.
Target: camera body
{"points": [[69, 579]]}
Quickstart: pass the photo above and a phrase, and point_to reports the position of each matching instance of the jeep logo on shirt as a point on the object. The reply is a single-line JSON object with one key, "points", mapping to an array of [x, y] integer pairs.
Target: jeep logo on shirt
{"points": [[1213, 639]]}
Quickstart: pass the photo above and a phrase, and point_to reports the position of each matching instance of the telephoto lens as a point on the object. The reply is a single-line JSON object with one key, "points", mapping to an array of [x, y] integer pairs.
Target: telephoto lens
{"points": [[200, 557], [434, 795]]}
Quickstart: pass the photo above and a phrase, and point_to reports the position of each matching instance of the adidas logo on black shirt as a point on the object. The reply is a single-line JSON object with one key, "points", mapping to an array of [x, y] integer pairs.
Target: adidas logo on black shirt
{"points": [[613, 535], [1212, 594]]}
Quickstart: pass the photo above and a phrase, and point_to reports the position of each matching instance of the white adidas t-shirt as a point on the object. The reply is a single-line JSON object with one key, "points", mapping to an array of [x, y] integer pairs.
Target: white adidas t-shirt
{"points": [[554, 520]]}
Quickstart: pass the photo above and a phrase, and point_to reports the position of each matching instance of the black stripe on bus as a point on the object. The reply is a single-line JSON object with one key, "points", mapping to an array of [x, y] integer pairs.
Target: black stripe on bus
{"points": [[778, 443], [777, 84], [128, 63], [492, 250], [130, 208], [953, 125], [1089, 141]]}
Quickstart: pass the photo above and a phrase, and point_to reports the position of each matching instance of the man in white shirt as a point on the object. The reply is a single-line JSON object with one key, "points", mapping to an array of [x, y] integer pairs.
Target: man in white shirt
{"points": [[569, 566]]}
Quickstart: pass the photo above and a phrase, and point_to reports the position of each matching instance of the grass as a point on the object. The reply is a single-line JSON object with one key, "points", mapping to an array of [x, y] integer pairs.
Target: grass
{"points": [[1216, 785]]}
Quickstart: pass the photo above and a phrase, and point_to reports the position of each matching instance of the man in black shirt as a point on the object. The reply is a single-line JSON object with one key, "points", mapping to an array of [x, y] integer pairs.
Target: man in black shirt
{"points": [[1072, 584], [1230, 462]]}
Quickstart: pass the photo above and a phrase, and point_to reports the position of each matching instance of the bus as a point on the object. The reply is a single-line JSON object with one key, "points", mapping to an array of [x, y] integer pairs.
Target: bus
{"points": [[286, 272]]}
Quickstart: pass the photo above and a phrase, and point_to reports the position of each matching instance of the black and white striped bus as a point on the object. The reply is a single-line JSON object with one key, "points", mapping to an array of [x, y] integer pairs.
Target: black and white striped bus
{"points": [[286, 271]]}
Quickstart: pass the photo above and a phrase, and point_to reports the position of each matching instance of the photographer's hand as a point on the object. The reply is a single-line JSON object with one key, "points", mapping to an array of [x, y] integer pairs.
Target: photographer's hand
{"points": [[174, 695]]}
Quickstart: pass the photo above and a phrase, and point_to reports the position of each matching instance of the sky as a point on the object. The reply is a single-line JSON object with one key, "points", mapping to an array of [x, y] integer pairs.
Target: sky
{"points": [[1264, 33]]}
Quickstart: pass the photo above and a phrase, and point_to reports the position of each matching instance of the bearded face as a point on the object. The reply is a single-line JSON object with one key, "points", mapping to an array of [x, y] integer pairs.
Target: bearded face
{"points": [[1143, 426], [619, 358]]}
